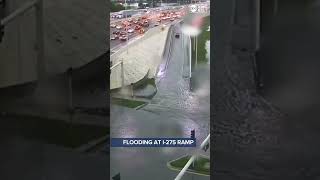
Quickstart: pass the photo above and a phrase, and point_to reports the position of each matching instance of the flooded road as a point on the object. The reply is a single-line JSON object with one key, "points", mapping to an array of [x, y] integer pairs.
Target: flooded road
{"points": [[173, 112]]}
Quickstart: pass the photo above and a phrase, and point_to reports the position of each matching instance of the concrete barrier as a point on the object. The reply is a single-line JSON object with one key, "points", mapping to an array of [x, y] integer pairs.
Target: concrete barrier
{"points": [[140, 57]]}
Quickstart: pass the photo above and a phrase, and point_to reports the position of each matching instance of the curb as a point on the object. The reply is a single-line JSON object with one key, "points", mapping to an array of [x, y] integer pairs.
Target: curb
{"points": [[90, 145], [188, 170]]}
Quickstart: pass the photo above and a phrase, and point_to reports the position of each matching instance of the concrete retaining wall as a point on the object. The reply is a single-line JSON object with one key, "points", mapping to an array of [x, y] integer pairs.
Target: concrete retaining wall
{"points": [[140, 57]]}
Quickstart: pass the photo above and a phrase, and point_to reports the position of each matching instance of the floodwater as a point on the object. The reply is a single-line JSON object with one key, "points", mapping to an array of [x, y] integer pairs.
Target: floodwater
{"points": [[290, 68], [173, 112]]}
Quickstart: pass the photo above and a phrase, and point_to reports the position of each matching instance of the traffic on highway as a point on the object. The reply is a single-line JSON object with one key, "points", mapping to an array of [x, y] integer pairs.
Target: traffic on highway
{"points": [[126, 29]]}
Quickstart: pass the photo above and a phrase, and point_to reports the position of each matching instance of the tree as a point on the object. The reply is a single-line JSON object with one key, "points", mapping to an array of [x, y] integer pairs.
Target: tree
{"points": [[116, 7]]}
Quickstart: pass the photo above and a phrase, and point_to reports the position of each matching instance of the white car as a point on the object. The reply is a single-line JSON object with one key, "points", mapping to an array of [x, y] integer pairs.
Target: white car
{"points": [[119, 27], [130, 30], [113, 25], [123, 38]]}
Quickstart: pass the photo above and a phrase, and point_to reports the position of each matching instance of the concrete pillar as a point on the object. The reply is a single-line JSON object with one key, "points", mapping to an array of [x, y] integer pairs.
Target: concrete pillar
{"points": [[256, 24], [275, 7]]}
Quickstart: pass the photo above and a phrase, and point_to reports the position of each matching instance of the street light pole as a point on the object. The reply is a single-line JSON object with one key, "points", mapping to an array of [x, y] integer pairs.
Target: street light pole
{"points": [[196, 39], [190, 47]]}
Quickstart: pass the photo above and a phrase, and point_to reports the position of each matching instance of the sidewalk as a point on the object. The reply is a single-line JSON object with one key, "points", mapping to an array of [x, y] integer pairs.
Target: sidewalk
{"points": [[31, 160]]}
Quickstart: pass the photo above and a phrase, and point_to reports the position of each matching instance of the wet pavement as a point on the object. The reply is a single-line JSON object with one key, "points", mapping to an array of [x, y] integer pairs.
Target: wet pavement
{"points": [[173, 112], [276, 137]]}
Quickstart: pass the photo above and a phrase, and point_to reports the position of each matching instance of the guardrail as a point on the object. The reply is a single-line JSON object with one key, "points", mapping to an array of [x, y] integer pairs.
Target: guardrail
{"points": [[193, 158]]}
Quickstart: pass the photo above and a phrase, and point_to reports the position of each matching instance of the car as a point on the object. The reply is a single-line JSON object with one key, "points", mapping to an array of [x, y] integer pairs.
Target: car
{"points": [[135, 22], [177, 35], [123, 33], [172, 19], [141, 31], [113, 25], [130, 30], [130, 20], [114, 37], [116, 32], [123, 38], [145, 25], [157, 24], [158, 20], [118, 27], [137, 27]]}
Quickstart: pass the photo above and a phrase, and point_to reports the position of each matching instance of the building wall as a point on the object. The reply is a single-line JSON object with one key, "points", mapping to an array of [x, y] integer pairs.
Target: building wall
{"points": [[17, 50]]}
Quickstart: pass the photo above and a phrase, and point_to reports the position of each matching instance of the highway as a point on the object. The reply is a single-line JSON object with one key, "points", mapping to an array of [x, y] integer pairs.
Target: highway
{"points": [[152, 19]]}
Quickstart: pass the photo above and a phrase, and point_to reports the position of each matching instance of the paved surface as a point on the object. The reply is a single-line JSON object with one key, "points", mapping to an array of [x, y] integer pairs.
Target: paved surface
{"points": [[116, 44], [139, 58], [252, 139], [173, 112], [30, 160]]}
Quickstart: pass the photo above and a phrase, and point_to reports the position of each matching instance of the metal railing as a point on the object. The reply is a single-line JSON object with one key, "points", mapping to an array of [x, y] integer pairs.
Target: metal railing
{"points": [[38, 5], [193, 158]]}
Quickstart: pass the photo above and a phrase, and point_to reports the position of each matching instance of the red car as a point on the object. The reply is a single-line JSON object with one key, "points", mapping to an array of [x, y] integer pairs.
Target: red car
{"points": [[116, 32], [137, 27]]}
